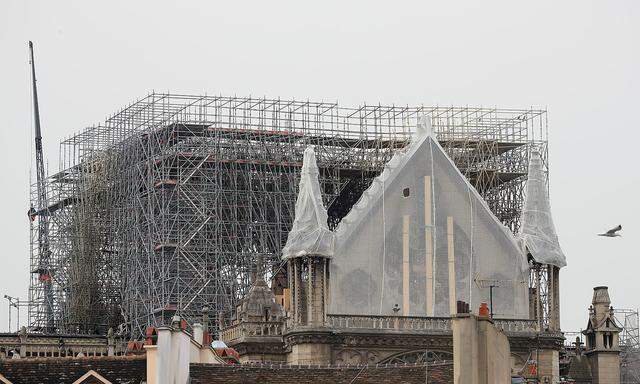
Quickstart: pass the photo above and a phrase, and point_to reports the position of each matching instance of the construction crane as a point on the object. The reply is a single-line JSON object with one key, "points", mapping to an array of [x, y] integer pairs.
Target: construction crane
{"points": [[43, 268]]}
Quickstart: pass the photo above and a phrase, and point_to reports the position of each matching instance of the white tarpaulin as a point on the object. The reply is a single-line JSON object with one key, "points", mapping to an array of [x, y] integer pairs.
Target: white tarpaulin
{"points": [[310, 234], [537, 232], [420, 226]]}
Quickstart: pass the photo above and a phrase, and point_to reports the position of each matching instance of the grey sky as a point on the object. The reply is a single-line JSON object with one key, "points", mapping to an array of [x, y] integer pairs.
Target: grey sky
{"points": [[579, 59]]}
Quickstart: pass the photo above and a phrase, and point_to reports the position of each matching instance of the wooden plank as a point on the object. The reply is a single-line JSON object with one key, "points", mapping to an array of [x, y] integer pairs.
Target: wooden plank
{"points": [[428, 236], [405, 264], [452, 266]]}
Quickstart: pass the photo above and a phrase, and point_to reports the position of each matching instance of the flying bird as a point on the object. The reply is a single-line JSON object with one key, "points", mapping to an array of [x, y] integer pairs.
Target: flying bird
{"points": [[612, 232]]}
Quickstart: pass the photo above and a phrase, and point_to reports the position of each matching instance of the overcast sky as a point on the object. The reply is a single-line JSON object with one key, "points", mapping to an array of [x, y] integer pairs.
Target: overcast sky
{"points": [[578, 59]]}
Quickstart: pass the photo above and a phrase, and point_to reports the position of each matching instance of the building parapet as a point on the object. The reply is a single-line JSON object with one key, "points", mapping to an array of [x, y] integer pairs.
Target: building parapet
{"points": [[251, 329], [516, 325], [27, 345], [401, 323]]}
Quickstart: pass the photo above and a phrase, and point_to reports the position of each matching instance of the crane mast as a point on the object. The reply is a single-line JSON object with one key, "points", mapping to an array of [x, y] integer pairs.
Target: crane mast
{"points": [[43, 268]]}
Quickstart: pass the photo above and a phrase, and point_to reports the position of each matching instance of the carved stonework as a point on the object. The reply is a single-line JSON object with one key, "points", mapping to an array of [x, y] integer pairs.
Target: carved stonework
{"points": [[353, 357], [527, 342], [419, 357], [381, 340], [259, 348]]}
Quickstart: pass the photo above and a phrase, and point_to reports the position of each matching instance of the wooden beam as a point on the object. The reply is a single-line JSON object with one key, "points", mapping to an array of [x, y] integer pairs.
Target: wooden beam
{"points": [[428, 236], [452, 266], [405, 264]]}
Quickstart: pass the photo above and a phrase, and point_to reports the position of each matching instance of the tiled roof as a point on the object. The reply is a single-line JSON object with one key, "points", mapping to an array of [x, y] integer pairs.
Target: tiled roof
{"points": [[580, 369], [116, 369], [292, 374]]}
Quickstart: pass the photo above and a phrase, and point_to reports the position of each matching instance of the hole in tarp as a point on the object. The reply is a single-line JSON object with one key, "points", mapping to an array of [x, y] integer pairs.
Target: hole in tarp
{"points": [[406, 192]]}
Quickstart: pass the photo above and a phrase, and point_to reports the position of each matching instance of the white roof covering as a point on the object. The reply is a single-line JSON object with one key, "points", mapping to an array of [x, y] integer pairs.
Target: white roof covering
{"points": [[383, 241], [537, 231], [310, 234]]}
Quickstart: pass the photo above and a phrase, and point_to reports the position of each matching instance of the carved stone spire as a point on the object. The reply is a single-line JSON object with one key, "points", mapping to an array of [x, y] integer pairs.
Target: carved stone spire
{"points": [[310, 234], [537, 232]]}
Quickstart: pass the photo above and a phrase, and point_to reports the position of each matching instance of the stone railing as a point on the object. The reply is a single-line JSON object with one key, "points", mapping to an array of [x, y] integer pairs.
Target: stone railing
{"points": [[40, 345], [400, 323], [251, 329], [420, 324], [516, 326]]}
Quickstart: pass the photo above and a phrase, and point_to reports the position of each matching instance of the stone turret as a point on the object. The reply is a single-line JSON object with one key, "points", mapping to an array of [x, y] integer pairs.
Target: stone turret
{"points": [[259, 305], [256, 331], [308, 251], [602, 335], [539, 241]]}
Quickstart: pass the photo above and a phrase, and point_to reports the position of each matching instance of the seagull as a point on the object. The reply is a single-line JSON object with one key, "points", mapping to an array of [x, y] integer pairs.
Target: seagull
{"points": [[612, 232]]}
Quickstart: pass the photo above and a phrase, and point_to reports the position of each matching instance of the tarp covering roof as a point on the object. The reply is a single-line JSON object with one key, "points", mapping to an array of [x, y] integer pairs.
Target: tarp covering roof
{"points": [[418, 218], [310, 234], [537, 231]]}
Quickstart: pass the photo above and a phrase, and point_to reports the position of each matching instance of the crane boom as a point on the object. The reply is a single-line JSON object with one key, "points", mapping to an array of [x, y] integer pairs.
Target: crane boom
{"points": [[43, 269]]}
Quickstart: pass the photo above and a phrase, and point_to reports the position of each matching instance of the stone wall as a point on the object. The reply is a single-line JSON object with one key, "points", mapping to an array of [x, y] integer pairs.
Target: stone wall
{"points": [[481, 352], [605, 368], [284, 374]]}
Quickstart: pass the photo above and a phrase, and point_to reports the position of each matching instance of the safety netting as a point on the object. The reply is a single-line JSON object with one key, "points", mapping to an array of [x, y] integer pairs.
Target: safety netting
{"points": [[537, 233], [420, 239], [309, 234]]}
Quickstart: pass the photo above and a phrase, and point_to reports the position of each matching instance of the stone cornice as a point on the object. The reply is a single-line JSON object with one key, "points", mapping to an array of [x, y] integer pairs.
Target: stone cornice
{"points": [[368, 339], [602, 351], [533, 341]]}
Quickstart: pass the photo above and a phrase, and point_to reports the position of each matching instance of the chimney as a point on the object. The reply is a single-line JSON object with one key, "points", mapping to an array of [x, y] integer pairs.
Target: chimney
{"points": [[601, 302]]}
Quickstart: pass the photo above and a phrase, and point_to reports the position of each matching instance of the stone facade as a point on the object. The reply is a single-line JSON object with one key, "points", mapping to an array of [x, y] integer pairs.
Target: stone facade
{"points": [[380, 339]]}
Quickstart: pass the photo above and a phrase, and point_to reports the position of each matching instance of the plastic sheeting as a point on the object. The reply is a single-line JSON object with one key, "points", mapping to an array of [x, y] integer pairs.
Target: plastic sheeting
{"points": [[383, 255], [310, 234], [537, 231]]}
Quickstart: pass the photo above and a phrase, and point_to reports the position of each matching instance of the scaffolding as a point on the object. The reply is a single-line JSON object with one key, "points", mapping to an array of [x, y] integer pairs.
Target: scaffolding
{"points": [[164, 208], [629, 345]]}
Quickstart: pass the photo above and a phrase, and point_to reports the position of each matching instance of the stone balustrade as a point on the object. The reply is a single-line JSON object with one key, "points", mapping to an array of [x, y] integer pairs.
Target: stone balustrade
{"points": [[38, 345], [411, 324], [400, 323], [516, 325], [251, 329]]}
